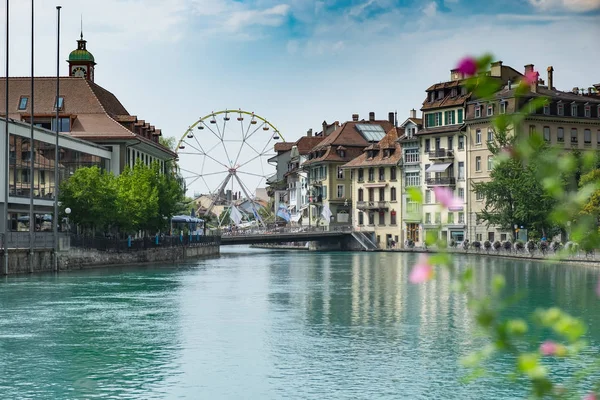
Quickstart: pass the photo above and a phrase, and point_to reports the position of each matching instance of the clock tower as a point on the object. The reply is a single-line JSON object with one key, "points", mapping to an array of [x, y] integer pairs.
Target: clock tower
{"points": [[81, 62]]}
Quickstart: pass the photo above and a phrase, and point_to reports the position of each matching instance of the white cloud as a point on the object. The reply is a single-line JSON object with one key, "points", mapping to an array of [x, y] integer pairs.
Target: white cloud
{"points": [[273, 16], [430, 10], [567, 5]]}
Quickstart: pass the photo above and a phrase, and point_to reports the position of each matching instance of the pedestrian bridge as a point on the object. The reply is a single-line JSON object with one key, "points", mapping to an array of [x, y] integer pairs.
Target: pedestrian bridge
{"points": [[284, 235]]}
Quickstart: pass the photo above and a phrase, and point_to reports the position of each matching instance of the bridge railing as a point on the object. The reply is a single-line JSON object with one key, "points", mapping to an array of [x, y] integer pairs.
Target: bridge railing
{"points": [[135, 244], [286, 230]]}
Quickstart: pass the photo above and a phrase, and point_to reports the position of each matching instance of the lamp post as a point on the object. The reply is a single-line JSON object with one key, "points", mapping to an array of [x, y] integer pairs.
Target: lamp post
{"points": [[68, 211], [56, 153]]}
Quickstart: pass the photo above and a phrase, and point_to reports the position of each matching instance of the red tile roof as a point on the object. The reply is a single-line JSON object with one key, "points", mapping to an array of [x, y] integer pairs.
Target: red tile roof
{"points": [[381, 158], [306, 143], [283, 146]]}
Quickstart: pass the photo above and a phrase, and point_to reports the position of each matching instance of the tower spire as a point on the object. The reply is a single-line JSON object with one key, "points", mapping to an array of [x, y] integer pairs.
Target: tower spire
{"points": [[81, 26]]}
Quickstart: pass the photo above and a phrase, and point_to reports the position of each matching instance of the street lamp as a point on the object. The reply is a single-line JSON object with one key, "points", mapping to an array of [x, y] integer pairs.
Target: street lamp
{"points": [[68, 211]]}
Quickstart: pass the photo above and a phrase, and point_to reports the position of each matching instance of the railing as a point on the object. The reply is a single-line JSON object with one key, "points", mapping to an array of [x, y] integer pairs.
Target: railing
{"points": [[450, 180], [441, 153], [20, 240], [372, 205], [286, 230], [151, 242]]}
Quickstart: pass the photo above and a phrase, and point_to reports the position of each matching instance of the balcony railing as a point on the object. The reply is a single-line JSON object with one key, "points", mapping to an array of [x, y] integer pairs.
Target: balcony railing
{"points": [[441, 153], [443, 181], [372, 205]]}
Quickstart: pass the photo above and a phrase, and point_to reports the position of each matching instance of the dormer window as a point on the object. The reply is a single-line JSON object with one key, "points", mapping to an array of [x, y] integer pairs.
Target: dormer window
{"points": [[477, 111], [546, 109], [573, 110], [587, 111], [454, 92], [502, 107], [490, 110], [60, 103], [440, 94], [23, 102], [560, 109]]}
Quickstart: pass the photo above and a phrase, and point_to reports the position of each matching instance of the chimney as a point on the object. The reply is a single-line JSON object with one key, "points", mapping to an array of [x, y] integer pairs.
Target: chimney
{"points": [[496, 69], [354, 117], [413, 113], [391, 117], [575, 90], [550, 77], [309, 132], [371, 116], [455, 75], [528, 68]]}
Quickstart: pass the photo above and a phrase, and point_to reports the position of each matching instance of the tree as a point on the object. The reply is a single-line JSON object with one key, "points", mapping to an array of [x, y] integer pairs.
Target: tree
{"points": [[90, 193], [515, 195], [137, 199], [592, 206], [168, 142]]}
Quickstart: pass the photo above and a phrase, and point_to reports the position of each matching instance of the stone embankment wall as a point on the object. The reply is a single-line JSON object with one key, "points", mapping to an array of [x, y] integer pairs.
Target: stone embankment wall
{"points": [[75, 258]]}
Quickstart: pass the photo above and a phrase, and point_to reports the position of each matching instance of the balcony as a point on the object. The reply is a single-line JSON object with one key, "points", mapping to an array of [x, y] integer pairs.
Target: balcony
{"points": [[441, 181], [372, 205], [440, 154]]}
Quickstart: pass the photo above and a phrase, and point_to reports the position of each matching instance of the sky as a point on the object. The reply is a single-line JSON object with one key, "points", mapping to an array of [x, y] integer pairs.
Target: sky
{"points": [[298, 63]]}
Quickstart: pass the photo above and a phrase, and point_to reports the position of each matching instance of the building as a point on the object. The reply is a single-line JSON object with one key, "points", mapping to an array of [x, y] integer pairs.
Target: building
{"points": [[87, 111], [276, 183], [570, 120], [376, 189], [330, 184], [297, 178]]}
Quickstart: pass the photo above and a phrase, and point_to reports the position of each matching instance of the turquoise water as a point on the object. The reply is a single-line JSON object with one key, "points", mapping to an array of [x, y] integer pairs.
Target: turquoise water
{"points": [[263, 324]]}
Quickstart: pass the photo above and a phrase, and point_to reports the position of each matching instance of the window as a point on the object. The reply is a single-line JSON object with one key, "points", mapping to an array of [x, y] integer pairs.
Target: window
{"points": [[560, 109], [393, 218], [393, 173], [371, 174], [461, 217], [478, 136], [479, 196], [412, 179], [60, 103], [573, 135], [43, 177], [433, 119], [24, 176], [371, 219], [460, 116], [438, 118], [411, 156], [490, 137], [427, 173], [428, 197], [461, 170], [587, 136], [547, 133], [438, 218], [361, 218], [361, 175], [490, 110], [560, 135], [427, 145], [573, 110], [381, 218], [461, 193], [450, 217], [23, 102], [340, 173], [382, 174], [64, 124], [531, 130], [450, 143], [490, 163], [361, 195], [324, 192], [477, 111], [478, 163], [491, 237], [341, 191], [381, 194], [588, 111], [449, 117], [371, 194], [428, 218], [393, 194], [502, 107], [546, 109], [461, 142]]}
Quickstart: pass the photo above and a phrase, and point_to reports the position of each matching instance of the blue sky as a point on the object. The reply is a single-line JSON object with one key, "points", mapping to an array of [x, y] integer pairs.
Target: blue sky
{"points": [[300, 62]]}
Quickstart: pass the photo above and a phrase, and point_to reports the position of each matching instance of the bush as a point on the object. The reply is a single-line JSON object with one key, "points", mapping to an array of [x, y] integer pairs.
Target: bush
{"points": [[487, 245], [477, 245], [465, 245], [507, 245], [497, 245], [531, 245], [410, 244], [452, 243]]}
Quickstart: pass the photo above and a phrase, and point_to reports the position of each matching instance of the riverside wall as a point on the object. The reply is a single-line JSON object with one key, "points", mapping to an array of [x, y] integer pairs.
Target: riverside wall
{"points": [[77, 258]]}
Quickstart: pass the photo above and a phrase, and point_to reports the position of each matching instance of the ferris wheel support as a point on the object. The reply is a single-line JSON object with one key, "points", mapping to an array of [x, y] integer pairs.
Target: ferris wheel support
{"points": [[218, 195], [250, 199]]}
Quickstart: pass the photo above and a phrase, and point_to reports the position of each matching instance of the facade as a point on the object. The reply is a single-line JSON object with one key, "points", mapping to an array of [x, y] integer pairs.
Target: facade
{"points": [[412, 177], [297, 178], [330, 183], [570, 120], [276, 183], [376, 190]]}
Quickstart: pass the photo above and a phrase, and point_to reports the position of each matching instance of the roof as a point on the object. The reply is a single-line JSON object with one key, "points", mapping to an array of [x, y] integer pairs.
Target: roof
{"points": [[306, 143], [81, 55], [543, 91], [389, 141], [446, 101], [96, 113], [283, 146], [440, 129]]}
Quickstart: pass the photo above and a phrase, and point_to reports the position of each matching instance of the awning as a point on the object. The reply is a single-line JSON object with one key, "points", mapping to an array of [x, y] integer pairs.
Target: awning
{"points": [[375, 185], [438, 167]]}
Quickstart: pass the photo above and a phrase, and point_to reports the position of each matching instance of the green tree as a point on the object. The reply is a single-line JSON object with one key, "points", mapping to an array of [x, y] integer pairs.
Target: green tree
{"points": [[592, 206], [90, 193], [168, 142], [137, 199]]}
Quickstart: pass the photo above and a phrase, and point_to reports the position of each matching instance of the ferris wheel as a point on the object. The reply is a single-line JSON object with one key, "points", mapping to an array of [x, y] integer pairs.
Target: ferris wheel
{"points": [[223, 158]]}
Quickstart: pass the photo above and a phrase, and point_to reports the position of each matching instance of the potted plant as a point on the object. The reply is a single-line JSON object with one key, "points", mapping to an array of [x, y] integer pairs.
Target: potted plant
{"points": [[487, 245]]}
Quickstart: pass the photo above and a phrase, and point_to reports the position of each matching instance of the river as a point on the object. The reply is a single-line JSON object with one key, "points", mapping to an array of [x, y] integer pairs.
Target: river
{"points": [[264, 324]]}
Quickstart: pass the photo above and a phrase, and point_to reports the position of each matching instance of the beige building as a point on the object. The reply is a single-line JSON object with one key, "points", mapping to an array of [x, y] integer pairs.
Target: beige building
{"points": [[570, 120], [376, 190]]}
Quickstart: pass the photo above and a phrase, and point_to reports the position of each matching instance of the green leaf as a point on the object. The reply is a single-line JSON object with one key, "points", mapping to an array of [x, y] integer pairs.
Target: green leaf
{"points": [[498, 284], [516, 327], [415, 195]]}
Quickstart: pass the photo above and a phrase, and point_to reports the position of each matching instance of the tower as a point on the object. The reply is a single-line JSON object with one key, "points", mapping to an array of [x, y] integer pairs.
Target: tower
{"points": [[81, 62]]}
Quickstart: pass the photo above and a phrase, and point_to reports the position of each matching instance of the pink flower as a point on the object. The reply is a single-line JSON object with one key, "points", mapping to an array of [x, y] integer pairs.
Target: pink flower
{"points": [[531, 77], [548, 348], [446, 198], [590, 396], [467, 66], [422, 271]]}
